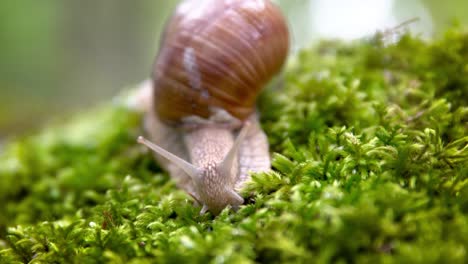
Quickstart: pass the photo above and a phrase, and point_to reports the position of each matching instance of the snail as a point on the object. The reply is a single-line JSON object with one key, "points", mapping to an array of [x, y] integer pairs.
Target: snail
{"points": [[214, 59]]}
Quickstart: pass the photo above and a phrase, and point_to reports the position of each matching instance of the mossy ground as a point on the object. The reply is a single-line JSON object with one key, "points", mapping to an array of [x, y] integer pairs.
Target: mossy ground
{"points": [[370, 157]]}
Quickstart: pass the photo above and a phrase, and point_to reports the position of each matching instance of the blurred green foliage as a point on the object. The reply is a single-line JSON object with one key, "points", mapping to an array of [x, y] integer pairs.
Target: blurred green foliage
{"points": [[60, 56], [370, 165], [29, 56]]}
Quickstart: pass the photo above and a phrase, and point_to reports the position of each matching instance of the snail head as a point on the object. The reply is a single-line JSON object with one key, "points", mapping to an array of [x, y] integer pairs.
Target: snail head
{"points": [[214, 182]]}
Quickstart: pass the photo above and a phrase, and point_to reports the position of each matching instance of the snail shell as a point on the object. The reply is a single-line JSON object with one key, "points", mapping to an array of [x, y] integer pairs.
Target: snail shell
{"points": [[215, 57], [218, 54]]}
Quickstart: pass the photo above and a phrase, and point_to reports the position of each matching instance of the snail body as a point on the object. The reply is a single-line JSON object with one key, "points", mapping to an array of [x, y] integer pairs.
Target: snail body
{"points": [[215, 57]]}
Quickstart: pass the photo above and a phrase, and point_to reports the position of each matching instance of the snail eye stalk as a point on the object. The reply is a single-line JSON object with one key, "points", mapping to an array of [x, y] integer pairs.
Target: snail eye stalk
{"points": [[226, 165], [191, 170]]}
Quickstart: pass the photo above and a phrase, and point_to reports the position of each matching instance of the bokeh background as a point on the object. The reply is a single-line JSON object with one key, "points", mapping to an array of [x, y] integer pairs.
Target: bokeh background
{"points": [[58, 57]]}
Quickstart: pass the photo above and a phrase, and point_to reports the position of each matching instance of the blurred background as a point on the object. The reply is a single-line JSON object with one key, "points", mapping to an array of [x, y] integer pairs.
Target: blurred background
{"points": [[59, 57]]}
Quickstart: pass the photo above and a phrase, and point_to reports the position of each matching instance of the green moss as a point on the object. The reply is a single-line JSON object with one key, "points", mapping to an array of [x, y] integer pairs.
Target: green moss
{"points": [[370, 157]]}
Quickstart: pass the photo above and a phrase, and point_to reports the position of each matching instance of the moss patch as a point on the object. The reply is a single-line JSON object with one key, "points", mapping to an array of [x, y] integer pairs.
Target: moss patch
{"points": [[370, 157]]}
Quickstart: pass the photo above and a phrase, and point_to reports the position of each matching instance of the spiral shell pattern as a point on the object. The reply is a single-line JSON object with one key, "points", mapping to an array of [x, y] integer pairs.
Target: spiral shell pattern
{"points": [[217, 54]]}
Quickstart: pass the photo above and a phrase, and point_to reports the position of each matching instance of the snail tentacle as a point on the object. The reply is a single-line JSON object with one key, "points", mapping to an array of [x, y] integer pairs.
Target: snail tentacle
{"points": [[229, 161], [204, 209], [191, 170]]}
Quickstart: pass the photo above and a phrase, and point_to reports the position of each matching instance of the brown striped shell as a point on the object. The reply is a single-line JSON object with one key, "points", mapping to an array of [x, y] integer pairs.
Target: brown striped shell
{"points": [[218, 54]]}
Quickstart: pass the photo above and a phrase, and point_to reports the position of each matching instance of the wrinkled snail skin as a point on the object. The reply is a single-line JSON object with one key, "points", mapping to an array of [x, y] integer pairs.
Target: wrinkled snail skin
{"points": [[209, 143], [215, 57]]}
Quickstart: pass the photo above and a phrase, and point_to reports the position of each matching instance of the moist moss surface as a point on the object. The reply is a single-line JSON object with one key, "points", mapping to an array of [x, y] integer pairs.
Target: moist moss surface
{"points": [[370, 158]]}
